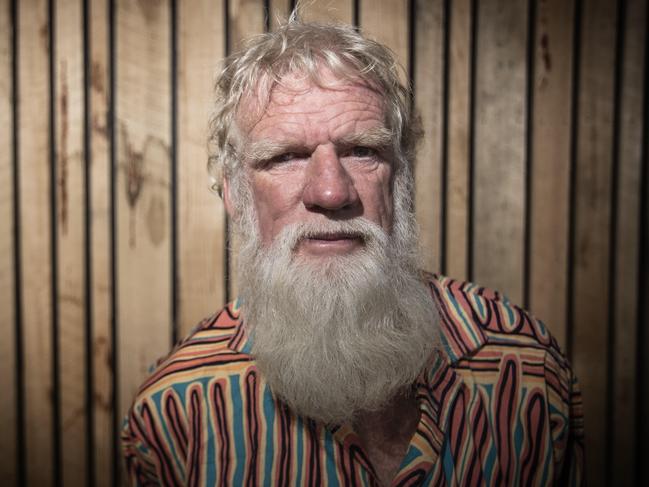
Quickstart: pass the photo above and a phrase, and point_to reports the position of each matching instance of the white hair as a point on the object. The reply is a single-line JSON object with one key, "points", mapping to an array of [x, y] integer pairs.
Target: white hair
{"points": [[306, 48]]}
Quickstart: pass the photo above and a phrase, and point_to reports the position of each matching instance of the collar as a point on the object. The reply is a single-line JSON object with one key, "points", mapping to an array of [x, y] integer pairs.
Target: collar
{"points": [[464, 309]]}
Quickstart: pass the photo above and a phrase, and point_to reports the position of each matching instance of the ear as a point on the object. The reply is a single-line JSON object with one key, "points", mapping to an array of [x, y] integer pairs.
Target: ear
{"points": [[227, 202]]}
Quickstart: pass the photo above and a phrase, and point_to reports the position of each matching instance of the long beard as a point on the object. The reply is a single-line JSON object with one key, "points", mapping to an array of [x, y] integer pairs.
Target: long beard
{"points": [[338, 335]]}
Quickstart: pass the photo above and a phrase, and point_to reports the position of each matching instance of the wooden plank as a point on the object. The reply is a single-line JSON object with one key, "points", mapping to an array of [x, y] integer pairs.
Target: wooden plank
{"points": [[8, 416], [143, 191], [328, 11], [550, 170], [101, 285], [592, 226], [387, 22], [246, 18], [201, 216], [35, 262], [429, 84], [643, 302], [70, 226], [459, 128], [279, 10], [499, 198], [628, 241]]}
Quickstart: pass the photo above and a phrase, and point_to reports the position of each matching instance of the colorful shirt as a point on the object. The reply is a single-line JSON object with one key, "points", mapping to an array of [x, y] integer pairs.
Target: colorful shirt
{"points": [[499, 406]]}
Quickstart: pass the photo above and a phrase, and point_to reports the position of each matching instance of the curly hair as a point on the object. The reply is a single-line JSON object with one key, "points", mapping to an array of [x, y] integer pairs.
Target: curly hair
{"points": [[306, 48]]}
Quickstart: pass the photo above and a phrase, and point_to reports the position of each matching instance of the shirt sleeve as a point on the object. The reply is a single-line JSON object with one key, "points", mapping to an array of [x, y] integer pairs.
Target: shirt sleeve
{"points": [[567, 424], [573, 462], [140, 460]]}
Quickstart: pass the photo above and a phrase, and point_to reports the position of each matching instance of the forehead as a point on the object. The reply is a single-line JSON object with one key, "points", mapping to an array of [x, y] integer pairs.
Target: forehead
{"points": [[297, 100]]}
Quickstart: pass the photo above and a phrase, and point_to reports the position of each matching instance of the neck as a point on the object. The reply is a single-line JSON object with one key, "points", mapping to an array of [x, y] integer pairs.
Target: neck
{"points": [[386, 434]]}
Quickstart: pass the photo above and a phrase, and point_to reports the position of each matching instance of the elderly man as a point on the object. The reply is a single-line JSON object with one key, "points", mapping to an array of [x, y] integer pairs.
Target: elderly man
{"points": [[342, 363]]}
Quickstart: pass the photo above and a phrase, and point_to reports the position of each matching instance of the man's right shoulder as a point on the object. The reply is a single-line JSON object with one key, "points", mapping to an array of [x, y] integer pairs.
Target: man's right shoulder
{"points": [[211, 350]]}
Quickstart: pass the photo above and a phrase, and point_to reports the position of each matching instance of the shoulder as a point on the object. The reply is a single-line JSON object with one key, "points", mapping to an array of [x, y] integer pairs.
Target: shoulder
{"points": [[489, 338], [205, 359], [473, 317], [211, 350], [502, 351], [513, 371]]}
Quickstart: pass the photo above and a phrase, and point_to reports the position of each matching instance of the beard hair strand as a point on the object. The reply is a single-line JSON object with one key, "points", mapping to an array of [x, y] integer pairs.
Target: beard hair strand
{"points": [[336, 336]]}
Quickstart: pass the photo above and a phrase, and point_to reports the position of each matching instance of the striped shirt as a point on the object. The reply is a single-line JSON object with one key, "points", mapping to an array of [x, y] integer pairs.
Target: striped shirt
{"points": [[499, 406]]}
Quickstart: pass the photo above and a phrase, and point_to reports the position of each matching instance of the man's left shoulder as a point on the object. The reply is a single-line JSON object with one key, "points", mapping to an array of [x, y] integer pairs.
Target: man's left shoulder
{"points": [[504, 356], [474, 319]]}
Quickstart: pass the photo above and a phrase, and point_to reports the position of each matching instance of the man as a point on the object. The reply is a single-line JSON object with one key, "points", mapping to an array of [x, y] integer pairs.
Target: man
{"points": [[342, 363]]}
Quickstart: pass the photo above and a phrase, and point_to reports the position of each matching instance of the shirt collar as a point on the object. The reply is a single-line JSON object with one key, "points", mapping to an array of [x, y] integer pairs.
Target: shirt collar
{"points": [[241, 342], [461, 309]]}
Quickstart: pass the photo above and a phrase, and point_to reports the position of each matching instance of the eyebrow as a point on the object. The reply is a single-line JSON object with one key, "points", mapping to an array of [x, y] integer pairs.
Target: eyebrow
{"points": [[379, 138]]}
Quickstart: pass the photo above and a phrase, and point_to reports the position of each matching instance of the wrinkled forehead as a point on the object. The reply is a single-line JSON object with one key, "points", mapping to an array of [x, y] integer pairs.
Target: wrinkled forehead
{"points": [[283, 93]]}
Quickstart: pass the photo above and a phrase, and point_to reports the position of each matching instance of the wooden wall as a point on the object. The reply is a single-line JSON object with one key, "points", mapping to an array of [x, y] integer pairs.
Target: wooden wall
{"points": [[532, 179]]}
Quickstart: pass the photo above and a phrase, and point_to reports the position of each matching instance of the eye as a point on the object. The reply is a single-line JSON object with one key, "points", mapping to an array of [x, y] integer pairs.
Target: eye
{"points": [[362, 151], [286, 157]]}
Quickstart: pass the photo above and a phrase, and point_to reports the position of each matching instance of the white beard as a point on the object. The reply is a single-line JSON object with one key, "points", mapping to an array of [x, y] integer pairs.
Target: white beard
{"points": [[339, 335]]}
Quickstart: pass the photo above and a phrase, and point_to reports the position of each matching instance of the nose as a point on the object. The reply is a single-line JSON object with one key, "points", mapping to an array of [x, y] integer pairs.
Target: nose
{"points": [[328, 184]]}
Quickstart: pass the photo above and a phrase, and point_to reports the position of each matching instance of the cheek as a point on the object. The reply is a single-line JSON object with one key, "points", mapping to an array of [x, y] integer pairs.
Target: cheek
{"points": [[274, 204], [379, 199]]}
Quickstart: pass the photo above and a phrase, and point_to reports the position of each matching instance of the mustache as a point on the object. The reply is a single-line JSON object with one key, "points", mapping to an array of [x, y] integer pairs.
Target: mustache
{"points": [[360, 228]]}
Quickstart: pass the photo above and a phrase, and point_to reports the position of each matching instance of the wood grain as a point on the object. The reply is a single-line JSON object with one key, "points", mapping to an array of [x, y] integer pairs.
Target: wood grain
{"points": [[328, 11], [550, 165], [592, 225], [201, 216], [429, 87], [387, 22], [246, 19], [627, 234], [642, 386], [499, 198], [70, 227], [459, 127], [143, 192], [101, 284], [278, 10], [35, 223], [8, 413]]}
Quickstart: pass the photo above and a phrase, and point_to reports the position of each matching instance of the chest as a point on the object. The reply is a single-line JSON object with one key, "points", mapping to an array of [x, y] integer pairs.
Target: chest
{"points": [[231, 431]]}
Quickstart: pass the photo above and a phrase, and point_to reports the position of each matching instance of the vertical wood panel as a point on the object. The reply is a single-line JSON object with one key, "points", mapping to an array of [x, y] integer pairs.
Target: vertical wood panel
{"points": [[101, 283], [459, 128], [245, 20], [499, 200], [628, 241], [329, 10], [278, 10], [428, 84], [550, 152], [8, 416], [642, 386], [201, 214], [387, 22], [592, 213], [143, 194], [35, 224], [70, 192]]}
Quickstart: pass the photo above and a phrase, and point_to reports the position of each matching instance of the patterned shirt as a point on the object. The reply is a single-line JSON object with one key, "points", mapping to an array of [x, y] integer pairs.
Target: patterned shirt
{"points": [[499, 406]]}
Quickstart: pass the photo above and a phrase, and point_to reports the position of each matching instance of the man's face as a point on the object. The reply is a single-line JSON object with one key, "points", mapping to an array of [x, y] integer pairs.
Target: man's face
{"points": [[315, 154]]}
